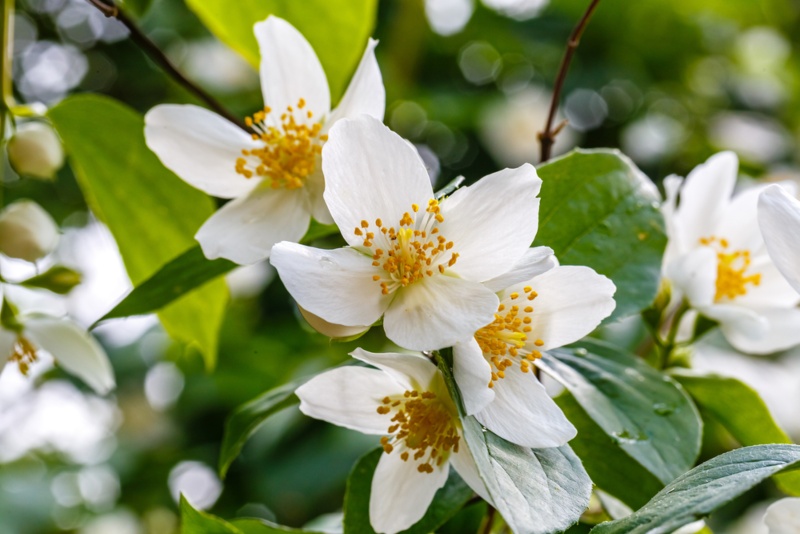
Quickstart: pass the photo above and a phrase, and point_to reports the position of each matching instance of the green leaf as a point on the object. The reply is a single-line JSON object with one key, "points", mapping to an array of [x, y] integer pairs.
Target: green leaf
{"points": [[599, 210], [58, 279], [152, 214], [446, 503], [137, 7], [741, 411], [196, 522], [337, 29], [644, 411], [537, 491], [705, 488], [246, 419], [251, 525], [610, 468]]}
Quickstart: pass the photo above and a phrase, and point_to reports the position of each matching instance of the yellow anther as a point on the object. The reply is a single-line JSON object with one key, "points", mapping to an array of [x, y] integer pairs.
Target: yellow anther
{"points": [[732, 266]]}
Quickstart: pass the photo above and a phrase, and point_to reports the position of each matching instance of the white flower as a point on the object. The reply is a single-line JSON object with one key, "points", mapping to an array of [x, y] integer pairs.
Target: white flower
{"points": [[415, 261], [274, 176], [69, 344], [494, 369], [406, 400], [717, 259], [27, 231], [779, 219], [35, 150], [783, 516]]}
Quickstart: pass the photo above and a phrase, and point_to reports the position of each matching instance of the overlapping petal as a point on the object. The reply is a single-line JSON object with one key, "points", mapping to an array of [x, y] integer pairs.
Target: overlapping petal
{"points": [[472, 374], [779, 219], [534, 262], [365, 94]]}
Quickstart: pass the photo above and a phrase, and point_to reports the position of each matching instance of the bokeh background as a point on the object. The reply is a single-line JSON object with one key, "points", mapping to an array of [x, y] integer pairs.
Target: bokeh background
{"points": [[668, 82]]}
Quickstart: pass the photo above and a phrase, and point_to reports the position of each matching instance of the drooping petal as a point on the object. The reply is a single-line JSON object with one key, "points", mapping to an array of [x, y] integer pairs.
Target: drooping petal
{"points": [[400, 494], [437, 312], [705, 195], [492, 222], [245, 229], [290, 70], [738, 324], [314, 188], [410, 371], [779, 219], [695, 275], [763, 331], [334, 331], [336, 284], [536, 261], [371, 173], [572, 301], [349, 397], [464, 464], [523, 413], [200, 147], [783, 516], [366, 93], [73, 349], [473, 374]]}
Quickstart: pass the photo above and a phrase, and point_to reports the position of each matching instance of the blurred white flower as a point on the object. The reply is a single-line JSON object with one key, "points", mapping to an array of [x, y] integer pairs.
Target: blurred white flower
{"points": [[27, 231], [717, 259], [783, 516], [35, 150], [755, 137], [274, 175]]}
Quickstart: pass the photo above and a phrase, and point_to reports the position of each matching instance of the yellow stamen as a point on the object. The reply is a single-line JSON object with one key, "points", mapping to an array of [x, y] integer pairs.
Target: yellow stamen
{"points": [[732, 266]]}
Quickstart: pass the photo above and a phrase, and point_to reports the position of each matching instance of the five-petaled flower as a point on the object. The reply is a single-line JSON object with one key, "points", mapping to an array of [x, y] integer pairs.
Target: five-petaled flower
{"points": [[716, 258], [407, 402], [494, 369], [417, 261], [779, 219], [273, 175]]}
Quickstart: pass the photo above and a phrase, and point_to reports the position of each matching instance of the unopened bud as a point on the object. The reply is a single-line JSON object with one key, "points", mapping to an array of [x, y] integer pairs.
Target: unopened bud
{"points": [[35, 150], [27, 232], [333, 331]]}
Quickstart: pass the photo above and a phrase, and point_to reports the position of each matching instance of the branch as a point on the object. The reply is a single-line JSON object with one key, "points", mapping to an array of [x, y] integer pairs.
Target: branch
{"points": [[152, 50], [548, 136]]}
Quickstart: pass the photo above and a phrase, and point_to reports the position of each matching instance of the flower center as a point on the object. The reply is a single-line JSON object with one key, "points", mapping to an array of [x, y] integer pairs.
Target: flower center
{"points": [[23, 353], [423, 424], [505, 340], [732, 266], [409, 251], [290, 151]]}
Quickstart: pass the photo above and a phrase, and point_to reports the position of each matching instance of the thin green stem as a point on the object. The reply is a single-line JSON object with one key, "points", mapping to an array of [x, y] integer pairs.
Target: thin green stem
{"points": [[6, 50], [488, 521], [669, 344]]}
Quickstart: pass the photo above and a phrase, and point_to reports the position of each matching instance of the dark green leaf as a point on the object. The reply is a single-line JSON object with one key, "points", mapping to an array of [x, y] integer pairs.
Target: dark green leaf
{"points": [[446, 503], [250, 525], [152, 214], [58, 279], [196, 522], [137, 7], [740, 410], [705, 488], [337, 29], [246, 419], [599, 210], [610, 468], [644, 411]]}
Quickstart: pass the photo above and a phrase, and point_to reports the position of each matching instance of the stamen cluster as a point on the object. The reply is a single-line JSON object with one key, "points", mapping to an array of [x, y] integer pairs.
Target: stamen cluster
{"points": [[23, 353], [290, 151], [410, 251], [505, 338], [732, 280], [424, 425]]}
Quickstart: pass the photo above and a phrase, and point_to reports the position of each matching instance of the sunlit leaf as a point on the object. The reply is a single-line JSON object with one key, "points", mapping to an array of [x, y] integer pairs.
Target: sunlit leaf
{"points": [[197, 522]]}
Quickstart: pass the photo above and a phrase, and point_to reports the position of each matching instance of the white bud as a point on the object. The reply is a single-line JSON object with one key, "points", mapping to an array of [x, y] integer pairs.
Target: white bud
{"points": [[783, 516], [35, 150], [27, 232], [334, 331]]}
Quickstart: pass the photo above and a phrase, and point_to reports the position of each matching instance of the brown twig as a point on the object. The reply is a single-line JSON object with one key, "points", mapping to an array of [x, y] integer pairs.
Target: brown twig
{"points": [[155, 53], [548, 136], [487, 526]]}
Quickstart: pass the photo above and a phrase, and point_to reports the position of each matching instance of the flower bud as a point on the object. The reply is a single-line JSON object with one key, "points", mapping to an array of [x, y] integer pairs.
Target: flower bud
{"points": [[35, 151], [27, 232]]}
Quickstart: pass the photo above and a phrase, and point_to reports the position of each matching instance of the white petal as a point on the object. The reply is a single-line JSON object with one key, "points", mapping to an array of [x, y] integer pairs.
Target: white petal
{"points": [[334, 331], [245, 229], [464, 464], [400, 494], [764, 331], [772, 291], [779, 219], [74, 350], [705, 195], [523, 413], [336, 284], [473, 374], [314, 188], [492, 222], [571, 303], [370, 173], [536, 261], [410, 371], [290, 70], [7, 340], [738, 323], [366, 93], [783, 516], [437, 312], [349, 397], [695, 275], [200, 147], [675, 247]]}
